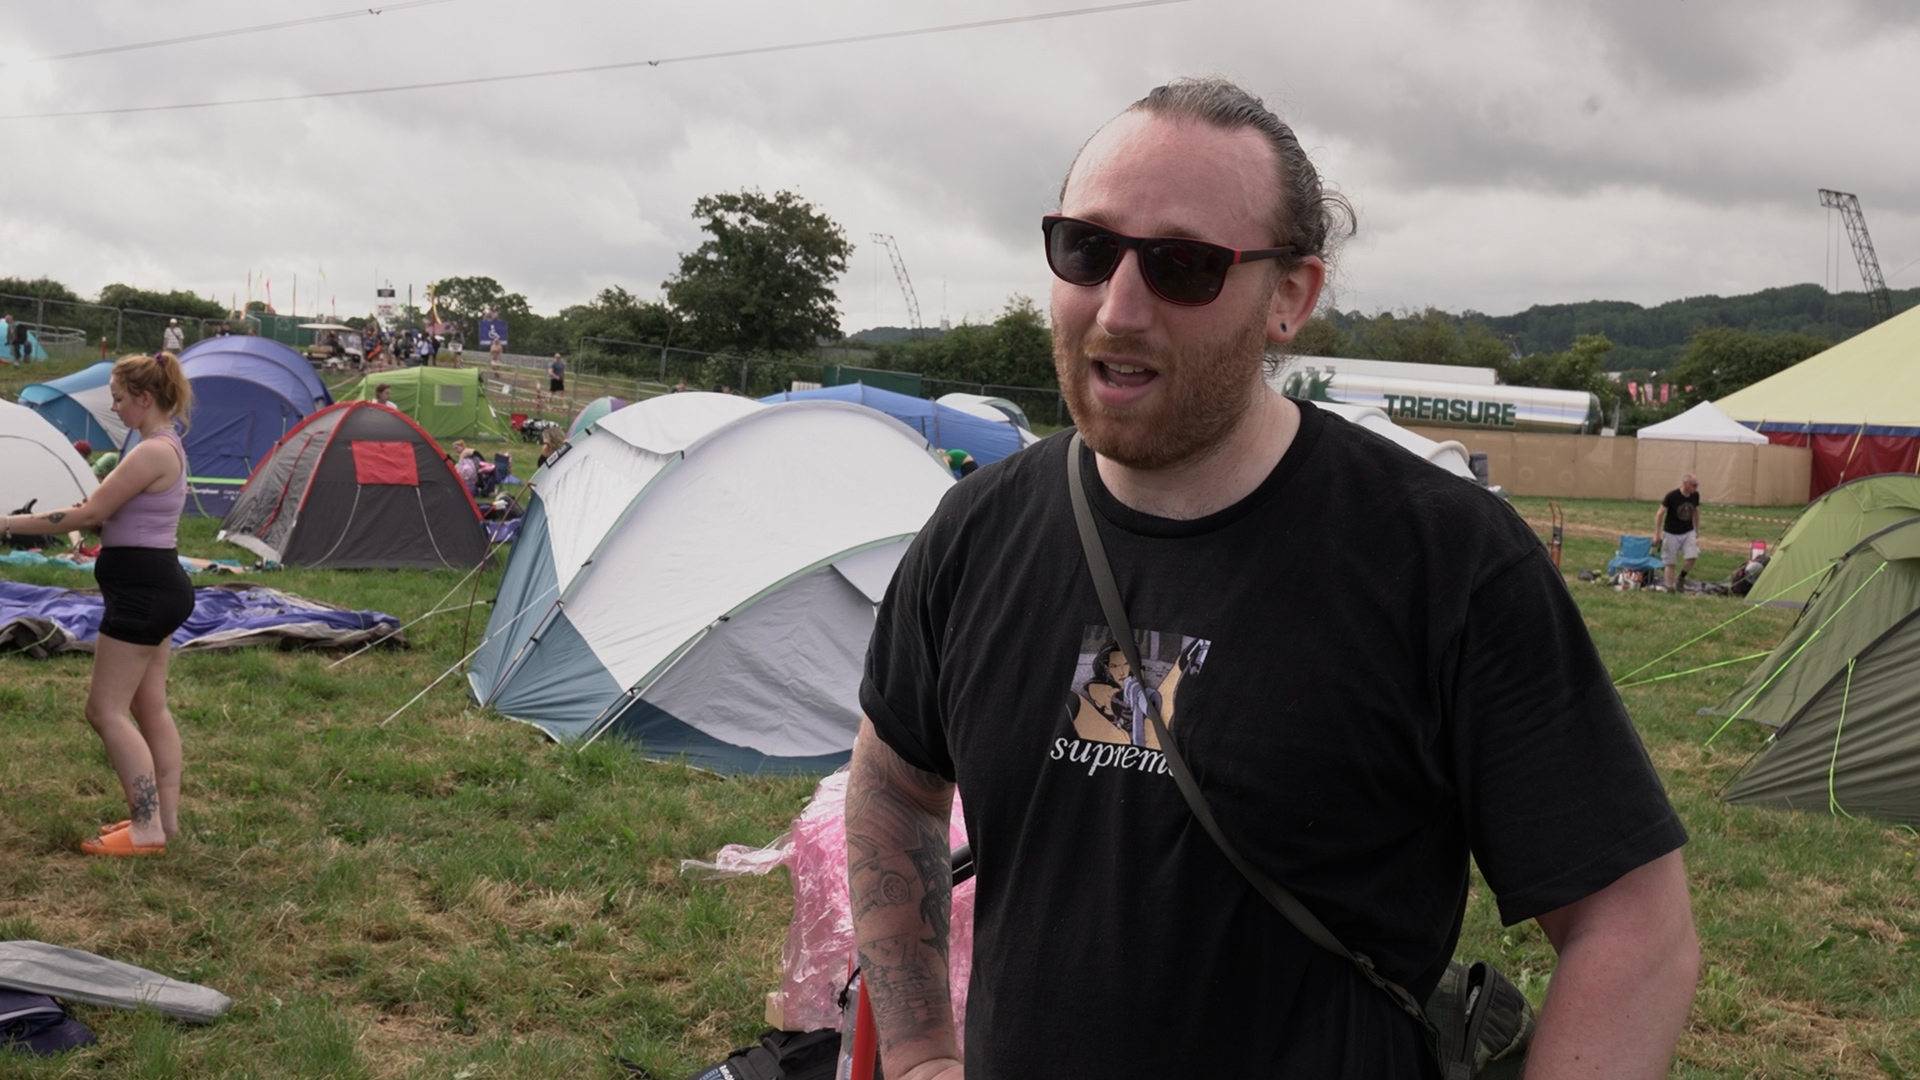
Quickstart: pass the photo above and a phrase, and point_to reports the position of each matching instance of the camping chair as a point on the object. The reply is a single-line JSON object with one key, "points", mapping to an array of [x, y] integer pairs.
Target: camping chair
{"points": [[503, 471], [1635, 554]]}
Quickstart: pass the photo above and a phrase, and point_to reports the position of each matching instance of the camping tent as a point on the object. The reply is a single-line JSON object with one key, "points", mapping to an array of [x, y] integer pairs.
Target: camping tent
{"points": [[688, 580], [1828, 529], [451, 403], [1857, 404], [1702, 423], [1449, 455], [1842, 691], [37, 461], [80, 405], [997, 409], [268, 350], [944, 427], [592, 411], [357, 485], [244, 402], [35, 351]]}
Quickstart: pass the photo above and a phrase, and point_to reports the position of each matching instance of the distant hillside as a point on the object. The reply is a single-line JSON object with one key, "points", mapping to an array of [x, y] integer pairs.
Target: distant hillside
{"points": [[893, 335], [1655, 337]]}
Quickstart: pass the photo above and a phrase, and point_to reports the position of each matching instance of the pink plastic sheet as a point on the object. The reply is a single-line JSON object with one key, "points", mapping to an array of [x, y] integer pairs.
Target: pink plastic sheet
{"points": [[819, 946]]}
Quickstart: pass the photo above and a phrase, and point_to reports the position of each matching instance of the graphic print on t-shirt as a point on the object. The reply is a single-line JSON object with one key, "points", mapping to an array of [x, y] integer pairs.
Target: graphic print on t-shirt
{"points": [[1108, 701]]}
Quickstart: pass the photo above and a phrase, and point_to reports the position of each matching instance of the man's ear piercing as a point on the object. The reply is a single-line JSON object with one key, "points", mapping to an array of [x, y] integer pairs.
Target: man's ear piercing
{"points": [[1283, 328]]}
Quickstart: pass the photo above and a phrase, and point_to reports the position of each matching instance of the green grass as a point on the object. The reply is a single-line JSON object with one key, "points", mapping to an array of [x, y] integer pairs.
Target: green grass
{"points": [[450, 895]]}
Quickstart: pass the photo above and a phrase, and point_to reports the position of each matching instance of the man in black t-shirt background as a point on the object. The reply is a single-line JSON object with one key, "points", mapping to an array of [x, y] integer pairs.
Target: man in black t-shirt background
{"points": [[1371, 666], [1677, 526]]}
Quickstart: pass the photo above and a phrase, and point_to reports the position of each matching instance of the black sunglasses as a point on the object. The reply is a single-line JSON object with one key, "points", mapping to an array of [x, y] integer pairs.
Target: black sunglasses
{"points": [[1178, 270]]}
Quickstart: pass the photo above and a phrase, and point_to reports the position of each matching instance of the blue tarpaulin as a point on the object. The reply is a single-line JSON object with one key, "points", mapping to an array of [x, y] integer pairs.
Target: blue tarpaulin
{"points": [[42, 619], [945, 427]]}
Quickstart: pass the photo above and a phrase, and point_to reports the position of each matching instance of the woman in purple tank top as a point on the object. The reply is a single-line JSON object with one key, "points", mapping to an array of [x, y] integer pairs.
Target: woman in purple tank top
{"points": [[137, 510]]}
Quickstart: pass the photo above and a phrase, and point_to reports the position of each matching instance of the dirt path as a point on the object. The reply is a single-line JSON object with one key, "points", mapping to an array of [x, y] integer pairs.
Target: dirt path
{"points": [[1718, 544]]}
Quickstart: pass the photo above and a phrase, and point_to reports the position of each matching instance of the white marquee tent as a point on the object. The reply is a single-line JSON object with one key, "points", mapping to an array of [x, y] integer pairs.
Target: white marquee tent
{"points": [[1703, 423]]}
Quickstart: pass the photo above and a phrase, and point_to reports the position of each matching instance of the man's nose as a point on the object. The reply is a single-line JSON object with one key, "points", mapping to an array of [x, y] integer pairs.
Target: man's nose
{"points": [[1128, 306]]}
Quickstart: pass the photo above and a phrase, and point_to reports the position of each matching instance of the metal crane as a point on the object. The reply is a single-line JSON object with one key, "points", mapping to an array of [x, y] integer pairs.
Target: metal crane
{"points": [[1879, 300], [906, 284]]}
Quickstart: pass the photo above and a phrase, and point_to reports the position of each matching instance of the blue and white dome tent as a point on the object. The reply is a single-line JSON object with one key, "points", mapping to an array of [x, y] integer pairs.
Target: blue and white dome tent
{"points": [[698, 573]]}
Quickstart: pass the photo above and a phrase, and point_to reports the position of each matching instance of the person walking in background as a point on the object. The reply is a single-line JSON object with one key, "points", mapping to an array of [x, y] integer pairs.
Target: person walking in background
{"points": [[493, 354], [557, 375], [147, 597], [173, 339], [383, 395], [1677, 524], [17, 339]]}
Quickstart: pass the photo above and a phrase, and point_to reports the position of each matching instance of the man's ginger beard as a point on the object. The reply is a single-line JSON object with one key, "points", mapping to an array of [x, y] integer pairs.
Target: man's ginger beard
{"points": [[1204, 391]]}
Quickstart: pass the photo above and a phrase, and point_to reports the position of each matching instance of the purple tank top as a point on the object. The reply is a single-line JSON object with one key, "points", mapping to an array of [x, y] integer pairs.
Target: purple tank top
{"points": [[150, 519]]}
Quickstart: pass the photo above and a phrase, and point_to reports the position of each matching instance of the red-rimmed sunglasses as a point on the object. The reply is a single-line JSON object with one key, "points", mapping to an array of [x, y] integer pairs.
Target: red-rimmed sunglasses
{"points": [[1178, 270]]}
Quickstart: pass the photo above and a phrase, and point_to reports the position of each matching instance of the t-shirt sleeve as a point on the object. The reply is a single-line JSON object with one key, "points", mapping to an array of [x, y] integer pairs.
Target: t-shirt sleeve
{"points": [[900, 690], [1559, 796]]}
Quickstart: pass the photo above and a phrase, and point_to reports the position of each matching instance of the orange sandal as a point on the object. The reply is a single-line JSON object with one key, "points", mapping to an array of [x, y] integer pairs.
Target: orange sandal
{"points": [[120, 844], [119, 826]]}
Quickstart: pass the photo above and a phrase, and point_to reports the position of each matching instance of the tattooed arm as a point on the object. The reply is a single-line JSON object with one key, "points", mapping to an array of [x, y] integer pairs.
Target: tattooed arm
{"points": [[900, 874], [151, 466]]}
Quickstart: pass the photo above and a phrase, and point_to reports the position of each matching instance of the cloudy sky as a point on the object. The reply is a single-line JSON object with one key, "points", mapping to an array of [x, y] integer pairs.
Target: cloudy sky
{"points": [[1500, 153]]}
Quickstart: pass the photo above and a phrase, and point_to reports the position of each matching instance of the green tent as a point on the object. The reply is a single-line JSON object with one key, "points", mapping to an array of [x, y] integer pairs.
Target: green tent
{"points": [[1828, 529], [450, 403], [1843, 691]]}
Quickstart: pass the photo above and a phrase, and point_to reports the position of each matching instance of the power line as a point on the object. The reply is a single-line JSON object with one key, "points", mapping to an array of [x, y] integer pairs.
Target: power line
{"points": [[591, 68], [236, 32]]}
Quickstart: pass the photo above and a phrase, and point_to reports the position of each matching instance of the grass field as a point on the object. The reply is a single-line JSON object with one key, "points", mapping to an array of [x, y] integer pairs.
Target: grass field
{"points": [[448, 895]]}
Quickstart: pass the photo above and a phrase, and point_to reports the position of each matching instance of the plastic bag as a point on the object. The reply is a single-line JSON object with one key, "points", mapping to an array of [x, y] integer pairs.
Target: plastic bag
{"points": [[817, 956]]}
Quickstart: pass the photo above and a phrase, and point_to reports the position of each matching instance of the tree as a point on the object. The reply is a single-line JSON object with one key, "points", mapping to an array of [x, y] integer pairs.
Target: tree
{"points": [[1720, 360], [468, 298], [764, 281], [1582, 367], [1429, 337], [1015, 349], [177, 302], [1320, 336]]}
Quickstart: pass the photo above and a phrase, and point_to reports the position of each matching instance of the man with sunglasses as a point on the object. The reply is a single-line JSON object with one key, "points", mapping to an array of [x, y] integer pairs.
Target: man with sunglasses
{"points": [[1369, 665]]}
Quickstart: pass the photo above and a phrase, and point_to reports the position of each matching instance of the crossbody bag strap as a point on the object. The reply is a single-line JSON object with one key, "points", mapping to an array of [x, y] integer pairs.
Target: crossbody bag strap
{"points": [[1275, 893]]}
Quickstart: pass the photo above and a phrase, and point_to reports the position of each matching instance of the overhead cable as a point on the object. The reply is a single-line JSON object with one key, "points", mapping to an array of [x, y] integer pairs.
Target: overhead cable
{"points": [[210, 35], [591, 68]]}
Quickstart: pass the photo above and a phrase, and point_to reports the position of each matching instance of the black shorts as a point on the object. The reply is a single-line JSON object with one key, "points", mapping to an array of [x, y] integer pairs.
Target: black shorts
{"points": [[147, 594], [555, 386]]}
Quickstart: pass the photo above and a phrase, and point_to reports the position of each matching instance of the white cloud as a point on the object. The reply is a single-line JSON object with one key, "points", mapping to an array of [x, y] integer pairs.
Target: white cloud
{"points": [[1501, 152]]}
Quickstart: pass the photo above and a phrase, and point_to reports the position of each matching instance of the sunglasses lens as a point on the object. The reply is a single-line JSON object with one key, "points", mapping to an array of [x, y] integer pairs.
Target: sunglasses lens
{"points": [[1185, 272], [1081, 253]]}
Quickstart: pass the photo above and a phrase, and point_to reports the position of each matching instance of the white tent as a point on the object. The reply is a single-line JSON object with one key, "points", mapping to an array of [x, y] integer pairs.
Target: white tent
{"points": [[698, 573], [1702, 423], [38, 464], [997, 409], [1450, 455]]}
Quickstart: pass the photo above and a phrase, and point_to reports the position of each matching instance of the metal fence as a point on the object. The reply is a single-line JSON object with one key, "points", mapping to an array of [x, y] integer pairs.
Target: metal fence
{"points": [[76, 327]]}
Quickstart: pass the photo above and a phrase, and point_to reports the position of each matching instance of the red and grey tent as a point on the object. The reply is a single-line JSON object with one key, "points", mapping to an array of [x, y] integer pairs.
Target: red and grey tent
{"points": [[357, 485]]}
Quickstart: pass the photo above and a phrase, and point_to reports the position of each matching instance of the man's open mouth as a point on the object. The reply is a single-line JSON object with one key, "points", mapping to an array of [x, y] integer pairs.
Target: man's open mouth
{"points": [[1117, 374]]}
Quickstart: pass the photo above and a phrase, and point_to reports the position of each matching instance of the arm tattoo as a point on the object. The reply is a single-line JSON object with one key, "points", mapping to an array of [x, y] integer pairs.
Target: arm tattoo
{"points": [[898, 862], [56, 517], [146, 798]]}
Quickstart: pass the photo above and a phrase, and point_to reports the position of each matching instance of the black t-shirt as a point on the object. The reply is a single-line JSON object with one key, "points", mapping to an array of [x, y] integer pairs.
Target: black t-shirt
{"points": [[1372, 668], [1683, 512]]}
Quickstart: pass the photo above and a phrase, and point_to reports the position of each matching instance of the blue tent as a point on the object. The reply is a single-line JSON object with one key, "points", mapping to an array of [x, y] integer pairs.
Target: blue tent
{"points": [[944, 427], [80, 406], [244, 402], [265, 349], [34, 350]]}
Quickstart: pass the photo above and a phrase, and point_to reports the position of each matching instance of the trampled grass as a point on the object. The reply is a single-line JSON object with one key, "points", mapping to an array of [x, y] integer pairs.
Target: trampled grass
{"points": [[449, 895]]}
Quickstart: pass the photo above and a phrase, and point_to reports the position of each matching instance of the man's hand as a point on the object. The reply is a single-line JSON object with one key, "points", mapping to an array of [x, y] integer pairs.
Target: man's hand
{"points": [[1624, 984], [900, 879]]}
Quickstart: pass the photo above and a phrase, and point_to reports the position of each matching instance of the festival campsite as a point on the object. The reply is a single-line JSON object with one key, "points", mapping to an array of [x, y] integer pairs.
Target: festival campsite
{"points": [[827, 542]]}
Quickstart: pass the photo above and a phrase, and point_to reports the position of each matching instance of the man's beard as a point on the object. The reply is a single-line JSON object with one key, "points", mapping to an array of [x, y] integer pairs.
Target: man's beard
{"points": [[1204, 391]]}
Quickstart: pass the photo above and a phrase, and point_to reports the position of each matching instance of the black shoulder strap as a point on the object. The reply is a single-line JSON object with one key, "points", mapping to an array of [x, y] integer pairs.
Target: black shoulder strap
{"points": [[1275, 894]]}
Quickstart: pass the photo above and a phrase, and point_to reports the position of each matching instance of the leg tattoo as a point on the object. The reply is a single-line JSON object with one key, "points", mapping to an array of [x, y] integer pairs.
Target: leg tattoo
{"points": [[146, 798]]}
